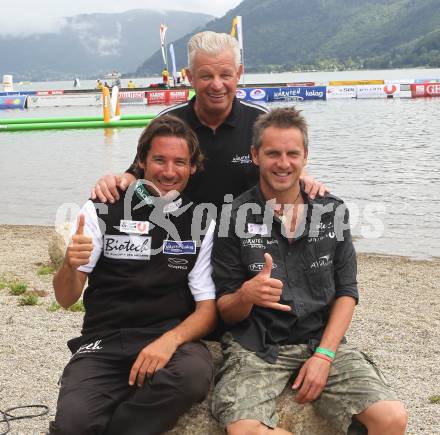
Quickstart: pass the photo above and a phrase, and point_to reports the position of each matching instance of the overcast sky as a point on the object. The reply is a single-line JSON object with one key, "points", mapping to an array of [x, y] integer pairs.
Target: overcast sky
{"points": [[38, 16]]}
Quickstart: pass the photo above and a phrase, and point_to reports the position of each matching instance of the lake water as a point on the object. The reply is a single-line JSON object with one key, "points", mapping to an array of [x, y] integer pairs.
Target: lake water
{"points": [[381, 156]]}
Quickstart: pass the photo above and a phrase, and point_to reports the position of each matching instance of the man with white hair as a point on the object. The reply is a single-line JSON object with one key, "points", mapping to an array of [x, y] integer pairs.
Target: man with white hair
{"points": [[222, 123]]}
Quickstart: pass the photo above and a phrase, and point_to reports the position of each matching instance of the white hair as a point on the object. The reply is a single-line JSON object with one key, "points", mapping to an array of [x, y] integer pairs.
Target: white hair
{"points": [[212, 43]]}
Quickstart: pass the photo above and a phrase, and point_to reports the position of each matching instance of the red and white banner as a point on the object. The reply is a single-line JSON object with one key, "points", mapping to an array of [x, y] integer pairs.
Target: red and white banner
{"points": [[156, 97], [425, 90], [390, 90], [167, 96], [178, 96], [57, 92]]}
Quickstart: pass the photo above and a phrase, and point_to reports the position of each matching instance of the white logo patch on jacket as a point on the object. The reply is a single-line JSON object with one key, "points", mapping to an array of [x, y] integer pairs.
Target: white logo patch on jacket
{"points": [[257, 229], [132, 247], [134, 227]]}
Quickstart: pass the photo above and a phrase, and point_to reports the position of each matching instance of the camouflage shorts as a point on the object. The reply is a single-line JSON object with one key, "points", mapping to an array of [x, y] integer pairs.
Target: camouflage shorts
{"points": [[247, 386]]}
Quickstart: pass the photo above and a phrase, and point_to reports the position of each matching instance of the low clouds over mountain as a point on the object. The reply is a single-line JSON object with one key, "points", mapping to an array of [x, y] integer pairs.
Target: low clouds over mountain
{"points": [[90, 45]]}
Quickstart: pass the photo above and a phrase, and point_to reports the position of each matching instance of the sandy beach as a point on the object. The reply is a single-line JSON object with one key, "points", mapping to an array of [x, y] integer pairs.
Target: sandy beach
{"points": [[397, 323]]}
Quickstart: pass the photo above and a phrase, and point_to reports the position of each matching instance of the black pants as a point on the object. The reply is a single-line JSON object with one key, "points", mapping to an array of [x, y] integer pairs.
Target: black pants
{"points": [[95, 397]]}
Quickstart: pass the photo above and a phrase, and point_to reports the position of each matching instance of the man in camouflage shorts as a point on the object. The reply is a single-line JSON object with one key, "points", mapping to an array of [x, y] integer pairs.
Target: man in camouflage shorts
{"points": [[285, 273]]}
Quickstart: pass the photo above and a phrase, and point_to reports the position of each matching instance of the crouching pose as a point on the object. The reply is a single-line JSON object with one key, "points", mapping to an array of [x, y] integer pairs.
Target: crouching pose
{"points": [[138, 364], [285, 272]]}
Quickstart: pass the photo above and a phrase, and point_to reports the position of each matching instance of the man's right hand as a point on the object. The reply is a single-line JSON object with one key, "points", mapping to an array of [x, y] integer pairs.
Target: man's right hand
{"points": [[262, 290], [106, 189], [80, 249]]}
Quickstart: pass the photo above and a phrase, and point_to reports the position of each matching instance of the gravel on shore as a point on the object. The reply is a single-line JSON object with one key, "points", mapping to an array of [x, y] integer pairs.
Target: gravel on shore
{"points": [[397, 323]]}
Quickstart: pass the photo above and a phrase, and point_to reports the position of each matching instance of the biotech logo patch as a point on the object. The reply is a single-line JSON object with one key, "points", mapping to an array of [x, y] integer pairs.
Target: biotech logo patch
{"points": [[89, 347], [127, 247]]}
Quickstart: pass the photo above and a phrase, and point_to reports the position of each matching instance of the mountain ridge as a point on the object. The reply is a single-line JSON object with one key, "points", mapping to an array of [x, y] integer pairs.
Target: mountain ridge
{"points": [[329, 34]]}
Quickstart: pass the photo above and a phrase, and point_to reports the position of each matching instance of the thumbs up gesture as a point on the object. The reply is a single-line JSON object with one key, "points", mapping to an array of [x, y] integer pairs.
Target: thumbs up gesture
{"points": [[264, 291], [268, 264], [80, 248]]}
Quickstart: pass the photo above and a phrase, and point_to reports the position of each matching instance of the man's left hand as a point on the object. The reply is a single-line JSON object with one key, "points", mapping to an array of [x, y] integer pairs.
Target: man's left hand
{"points": [[314, 187], [152, 358], [311, 379]]}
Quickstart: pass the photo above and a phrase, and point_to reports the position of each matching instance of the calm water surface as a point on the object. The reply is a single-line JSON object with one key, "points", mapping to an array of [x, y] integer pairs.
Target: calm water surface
{"points": [[381, 156]]}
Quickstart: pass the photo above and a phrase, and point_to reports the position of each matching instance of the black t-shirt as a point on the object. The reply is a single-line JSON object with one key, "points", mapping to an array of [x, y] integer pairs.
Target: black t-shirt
{"points": [[228, 165]]}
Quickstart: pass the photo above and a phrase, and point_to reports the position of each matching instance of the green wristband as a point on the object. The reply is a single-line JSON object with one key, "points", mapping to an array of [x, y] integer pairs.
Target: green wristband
{"points": [[325, 352]]}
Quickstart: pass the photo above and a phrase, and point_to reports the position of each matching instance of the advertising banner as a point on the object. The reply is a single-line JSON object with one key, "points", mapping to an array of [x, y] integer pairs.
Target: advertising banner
{"points": [[55, 92], [167, 96], [4, 94], [427, 81], [177, 96], [132, 97], [253, 94], [156, 97], [301, 84], [296, 93], [378, 91], [425, 90], [241, 93], [334, 92], [401, 81], [13, 102], [355, 82], [64, 100]]}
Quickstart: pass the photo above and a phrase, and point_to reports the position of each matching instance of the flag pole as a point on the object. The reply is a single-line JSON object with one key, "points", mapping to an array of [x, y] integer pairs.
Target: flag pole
{"points": [[166, 52], [237, 28], [240, 41]]}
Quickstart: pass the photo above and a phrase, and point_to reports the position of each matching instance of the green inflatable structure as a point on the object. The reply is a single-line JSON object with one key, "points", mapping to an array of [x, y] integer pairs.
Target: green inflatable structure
{"points": [[59, 123]]}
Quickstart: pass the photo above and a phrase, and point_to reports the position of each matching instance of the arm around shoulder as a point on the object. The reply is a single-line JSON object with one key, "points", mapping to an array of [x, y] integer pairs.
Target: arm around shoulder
{"points": [[106, 188]]}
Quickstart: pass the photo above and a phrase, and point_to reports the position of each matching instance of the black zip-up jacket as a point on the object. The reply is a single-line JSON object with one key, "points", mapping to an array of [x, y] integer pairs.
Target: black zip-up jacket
{"points": [[151, 290]]}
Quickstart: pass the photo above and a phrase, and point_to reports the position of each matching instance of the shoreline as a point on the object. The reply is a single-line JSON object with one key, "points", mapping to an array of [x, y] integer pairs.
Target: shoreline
{"points": [[397, 323], [355, 239]]}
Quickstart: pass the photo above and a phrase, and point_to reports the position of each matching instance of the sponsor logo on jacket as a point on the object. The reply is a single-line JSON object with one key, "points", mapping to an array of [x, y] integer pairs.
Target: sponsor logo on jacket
{"points": [[121, 247], [258, 267], [321, 262], [182, 247], [177, 263]]}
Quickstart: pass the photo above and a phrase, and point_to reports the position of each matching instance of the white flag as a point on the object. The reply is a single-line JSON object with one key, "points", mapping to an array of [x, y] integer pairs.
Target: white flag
{"points": [[163, 30]]}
